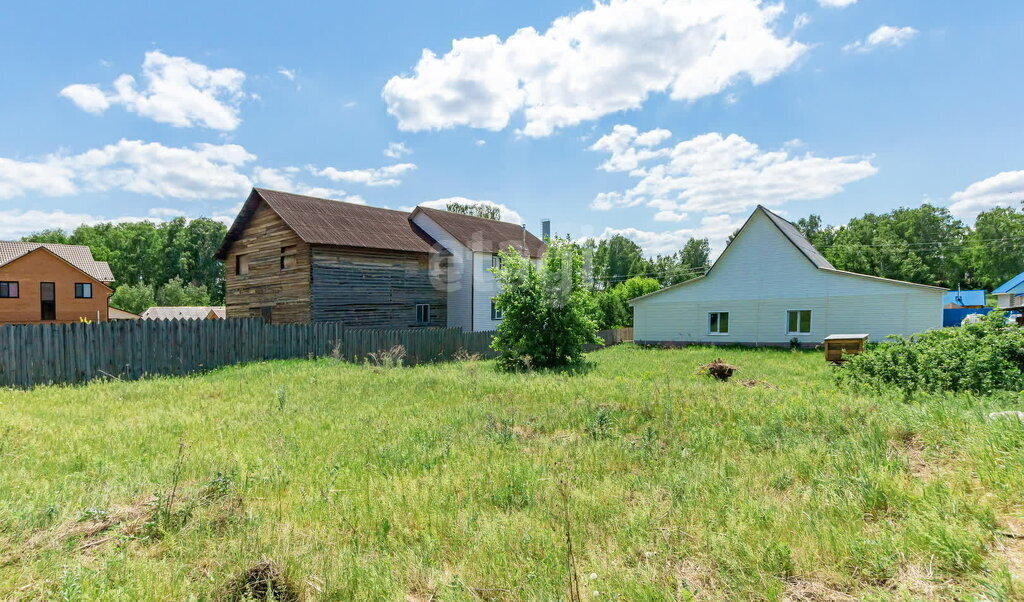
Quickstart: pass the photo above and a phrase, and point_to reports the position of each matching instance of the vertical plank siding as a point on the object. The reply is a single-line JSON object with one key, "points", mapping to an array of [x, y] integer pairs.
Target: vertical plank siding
{"points": [[38, 354]]}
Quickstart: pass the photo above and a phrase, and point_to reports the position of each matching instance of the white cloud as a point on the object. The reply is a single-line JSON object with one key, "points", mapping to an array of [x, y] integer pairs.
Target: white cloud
{"points": [[716, 228], [479, 142], [629, 148], [1005, 189], [599, 61], [885, 35], [288, 74], [836, 3], [507, 214], [802, 20], [15, 224], [166, 213], [397, 150], [721, 174], [284, 179], [177, 91], [379, 176], [204, 171]]}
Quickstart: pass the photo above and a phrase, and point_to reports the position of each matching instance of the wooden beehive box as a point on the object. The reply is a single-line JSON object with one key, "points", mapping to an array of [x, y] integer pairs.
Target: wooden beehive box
{"points": [[838, 345]]}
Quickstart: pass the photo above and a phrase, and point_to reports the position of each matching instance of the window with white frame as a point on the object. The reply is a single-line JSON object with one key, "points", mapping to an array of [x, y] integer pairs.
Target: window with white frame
{"points": [[496, 314], [798, 321], [495, 261], [422, 313], [718, 322]]}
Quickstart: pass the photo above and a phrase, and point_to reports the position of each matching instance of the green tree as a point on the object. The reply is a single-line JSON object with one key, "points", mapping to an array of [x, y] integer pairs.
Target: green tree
{"points": [[995, 247], [474, 209], [548, 311], [135, 298], [176, 293], [617, 259]]}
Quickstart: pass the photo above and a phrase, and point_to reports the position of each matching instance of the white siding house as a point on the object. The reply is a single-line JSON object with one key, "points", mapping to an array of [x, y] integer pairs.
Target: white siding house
{"points": [[770, 286], [472, 244]]}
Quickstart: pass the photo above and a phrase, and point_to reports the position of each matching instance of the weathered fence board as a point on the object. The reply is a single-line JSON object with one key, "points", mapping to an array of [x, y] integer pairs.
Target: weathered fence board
{"points": [[39, 354]]}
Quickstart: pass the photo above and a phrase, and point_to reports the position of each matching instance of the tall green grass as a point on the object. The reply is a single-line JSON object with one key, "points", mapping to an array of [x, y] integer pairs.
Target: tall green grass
{"points": [[458, 482]]}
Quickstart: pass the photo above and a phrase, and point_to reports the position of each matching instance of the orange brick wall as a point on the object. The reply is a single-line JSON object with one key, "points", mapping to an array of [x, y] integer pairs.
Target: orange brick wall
{"points": [[42, 266]]}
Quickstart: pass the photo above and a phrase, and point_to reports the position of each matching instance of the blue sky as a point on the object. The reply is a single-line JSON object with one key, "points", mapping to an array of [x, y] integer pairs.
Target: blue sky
{"points": [[659, 119]]}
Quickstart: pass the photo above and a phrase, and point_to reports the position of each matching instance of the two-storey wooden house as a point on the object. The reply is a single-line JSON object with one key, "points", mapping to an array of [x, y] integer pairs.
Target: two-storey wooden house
{"points": [[52, 283], [294, 258]]}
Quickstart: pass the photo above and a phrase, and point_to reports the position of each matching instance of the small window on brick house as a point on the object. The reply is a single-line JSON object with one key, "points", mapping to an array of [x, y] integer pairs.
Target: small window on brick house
{"points": [[289, 257], [8, 290], [83, 290], [241, 264]]}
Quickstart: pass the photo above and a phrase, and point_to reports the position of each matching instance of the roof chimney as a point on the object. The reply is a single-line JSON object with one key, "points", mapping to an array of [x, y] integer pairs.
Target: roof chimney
{"points": [[545, 229]]}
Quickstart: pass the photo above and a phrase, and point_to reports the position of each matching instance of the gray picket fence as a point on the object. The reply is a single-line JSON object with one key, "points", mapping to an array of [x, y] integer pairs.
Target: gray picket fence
{"points": [[39, 354]]}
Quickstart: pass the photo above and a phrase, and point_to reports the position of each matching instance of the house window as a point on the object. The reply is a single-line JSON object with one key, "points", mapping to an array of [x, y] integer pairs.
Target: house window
{"points": [[422, 313], [83, 290], [718, 322], [798, 321], [267, 313], [241, 264], [496, 261], [289, 257], [496, 314], [8, 290]]}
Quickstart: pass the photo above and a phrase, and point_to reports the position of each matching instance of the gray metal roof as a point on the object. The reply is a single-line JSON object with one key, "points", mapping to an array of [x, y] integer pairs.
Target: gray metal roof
{"points": [[799, 241], [183, 312], [79, 256]]}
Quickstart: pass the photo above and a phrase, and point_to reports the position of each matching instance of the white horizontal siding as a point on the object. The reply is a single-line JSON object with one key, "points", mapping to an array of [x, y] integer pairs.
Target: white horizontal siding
{"points": [[459, 273], [761, 276]]}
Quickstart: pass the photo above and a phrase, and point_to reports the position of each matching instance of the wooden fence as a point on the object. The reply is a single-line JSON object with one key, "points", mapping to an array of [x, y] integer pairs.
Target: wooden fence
{"points": [[39, 354], [613, 336]]}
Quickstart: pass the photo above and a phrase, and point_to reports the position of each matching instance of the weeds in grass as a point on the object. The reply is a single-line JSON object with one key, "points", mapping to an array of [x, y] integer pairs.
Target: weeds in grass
{"points": [[465, 356], [718, 369], [282, 398], [393, 357], [572, 575], [599, 425], [263, 581]]}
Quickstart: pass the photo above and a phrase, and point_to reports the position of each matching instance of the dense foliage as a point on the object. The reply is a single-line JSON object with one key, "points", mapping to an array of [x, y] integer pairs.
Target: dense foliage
{"points": [[474, 209], [547, 310], [612, 305], [925, 244], [981, 358], [153, 254], [137, 298]]}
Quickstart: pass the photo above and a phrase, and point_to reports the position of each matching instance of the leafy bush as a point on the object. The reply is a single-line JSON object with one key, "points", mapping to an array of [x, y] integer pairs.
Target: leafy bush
{"points": [[981, 358], [613, 310], [547, 310]]}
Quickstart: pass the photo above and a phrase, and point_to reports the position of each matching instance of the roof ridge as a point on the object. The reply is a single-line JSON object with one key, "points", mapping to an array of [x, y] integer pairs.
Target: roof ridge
{"points": [[466, 215], [327, 200]]}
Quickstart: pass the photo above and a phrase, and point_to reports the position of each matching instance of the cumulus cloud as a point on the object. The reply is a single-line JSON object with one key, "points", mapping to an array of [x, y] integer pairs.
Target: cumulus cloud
{"points": [[397, 150], [1005, 189], [288, 74], [177, 91], [378, 176], [284, 179], [599, 61], [507, 214], [204, 171], [14, 224], [885, 35], [836, 3], [716, 228], [802, 20], [716, 173]]}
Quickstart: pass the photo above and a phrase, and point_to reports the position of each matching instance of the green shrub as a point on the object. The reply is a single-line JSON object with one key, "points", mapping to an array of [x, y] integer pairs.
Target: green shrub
{"points": [[981, 358], [547, 311]]}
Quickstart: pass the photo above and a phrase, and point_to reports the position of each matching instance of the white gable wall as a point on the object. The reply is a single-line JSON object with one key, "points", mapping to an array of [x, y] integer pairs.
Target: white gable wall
{"points": [[761, 276], [460, 271]]}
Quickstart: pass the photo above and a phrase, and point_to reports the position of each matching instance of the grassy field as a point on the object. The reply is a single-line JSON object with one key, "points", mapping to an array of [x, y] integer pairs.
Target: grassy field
{"points": [[455, 482]]}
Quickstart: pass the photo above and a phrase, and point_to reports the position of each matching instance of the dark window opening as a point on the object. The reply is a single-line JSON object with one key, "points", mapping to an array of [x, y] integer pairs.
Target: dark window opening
{"points": [[241, 264], [289, 257], [83, 290], [47, 301], [267, 313], [8, 290], [422, 314]]}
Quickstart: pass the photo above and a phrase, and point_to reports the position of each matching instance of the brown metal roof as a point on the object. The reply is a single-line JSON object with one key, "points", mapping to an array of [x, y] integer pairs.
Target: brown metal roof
{"points": [[326, 222], [79, 256], [485, 235]]}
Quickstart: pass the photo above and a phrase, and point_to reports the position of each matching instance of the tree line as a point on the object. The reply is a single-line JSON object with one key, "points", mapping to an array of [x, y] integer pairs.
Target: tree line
{"points": [[167, 263]]}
